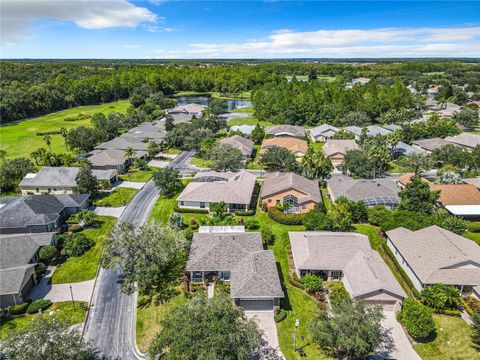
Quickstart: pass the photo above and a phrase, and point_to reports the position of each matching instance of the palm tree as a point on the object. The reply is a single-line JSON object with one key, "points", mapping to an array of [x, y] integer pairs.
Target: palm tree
{"points": [[152, 147], [379, 154], [129, 154], [64, 134], [3, 155], [393, 139], [48, 140], [36, 155]]}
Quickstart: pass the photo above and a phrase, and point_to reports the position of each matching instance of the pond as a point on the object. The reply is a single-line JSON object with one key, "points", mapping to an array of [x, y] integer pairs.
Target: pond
{"points": [[203, 100]]}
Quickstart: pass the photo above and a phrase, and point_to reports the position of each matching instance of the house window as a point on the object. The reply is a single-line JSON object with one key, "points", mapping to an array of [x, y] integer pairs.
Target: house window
{"points": [[54, 189], [278, 202], [336, 275], [202, 205], [181, 203], [197, 275], [37, 190], [225, 275], [49, 190], [269, 201]]}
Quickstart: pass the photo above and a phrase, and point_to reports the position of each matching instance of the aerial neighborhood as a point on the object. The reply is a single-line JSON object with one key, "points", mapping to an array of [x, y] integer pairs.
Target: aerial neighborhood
{"points": [[293, 215]]}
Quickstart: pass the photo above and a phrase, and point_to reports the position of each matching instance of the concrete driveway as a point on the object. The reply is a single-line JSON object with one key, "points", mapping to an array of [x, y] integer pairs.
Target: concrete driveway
{"points": [[82, 291], [158, 163], [109, 211], [265, 322], [403, 348]]}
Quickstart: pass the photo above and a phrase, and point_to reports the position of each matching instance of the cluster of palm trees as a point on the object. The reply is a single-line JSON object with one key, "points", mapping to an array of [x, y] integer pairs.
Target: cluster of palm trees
{"points": [[42, 157]]}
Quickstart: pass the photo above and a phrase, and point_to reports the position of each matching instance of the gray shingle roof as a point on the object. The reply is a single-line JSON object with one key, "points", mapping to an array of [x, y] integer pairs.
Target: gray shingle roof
{"points": [[431, 144], [233, 188], [13, 278], [285, 130], [323, 250], [123, 142], [362, 189], [474, 181], [221, 251], [112, 157], [238, 142], [253, 270], [19, 249], [316, 131], [18, 211], [256, 276], [279, 182], [438, 255], [465, 139]]}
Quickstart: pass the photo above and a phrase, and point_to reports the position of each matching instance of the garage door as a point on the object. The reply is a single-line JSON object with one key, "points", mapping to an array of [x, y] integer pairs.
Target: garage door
{"points": [[257, 305], [386, 305]]}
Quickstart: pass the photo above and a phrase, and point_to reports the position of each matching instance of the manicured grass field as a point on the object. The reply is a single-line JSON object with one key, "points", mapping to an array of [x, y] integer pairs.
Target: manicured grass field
{"points": [[148, 319], [453, 341], [199, 162], [251, 120], [63, 310], [19, 138], [84, 267], [119, 197], [137, 176]]}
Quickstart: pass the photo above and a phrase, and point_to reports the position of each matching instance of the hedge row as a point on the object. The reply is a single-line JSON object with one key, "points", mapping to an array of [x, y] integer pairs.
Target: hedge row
{"points": [[51, 132], [37, 305], [280, 315], [191, 211], [400, 270], [245, 213], [285, 219], [474, 227], [18, 309]]}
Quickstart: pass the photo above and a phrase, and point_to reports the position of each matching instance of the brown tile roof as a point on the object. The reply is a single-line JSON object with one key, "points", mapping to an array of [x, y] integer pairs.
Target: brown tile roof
{"points": [[279, 182], [292, 144], [332, 147], [457, 194]]}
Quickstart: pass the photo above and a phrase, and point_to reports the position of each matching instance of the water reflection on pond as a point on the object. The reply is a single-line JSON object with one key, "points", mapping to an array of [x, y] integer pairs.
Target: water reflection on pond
{"points": [[203, 100]]}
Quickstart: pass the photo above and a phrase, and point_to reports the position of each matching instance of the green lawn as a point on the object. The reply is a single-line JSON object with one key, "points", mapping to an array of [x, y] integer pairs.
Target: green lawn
{"points": [[137, 176], [248, 109], [201, 163], [164, 207], [23, 132], [452, 341], [119, 197], [148, 318], [84, 267], [63, 310], [251, 120], [473, 236]]}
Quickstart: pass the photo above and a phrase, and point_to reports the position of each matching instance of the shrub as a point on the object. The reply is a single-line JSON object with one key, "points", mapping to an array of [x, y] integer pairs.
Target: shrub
{"points": [[18, 309], [377, 214], [47, 253], [312, 283], [285, 219], [337, 292], [441, 297], [245, 213], [474, 227], [411, 220], [189, 234], [268, 237], [280, 315], [40, 269], [37, 305], [190, 211], [417, 318], [74, 228], [473, 303], [251, 224], [317, 220], [77, 244]]}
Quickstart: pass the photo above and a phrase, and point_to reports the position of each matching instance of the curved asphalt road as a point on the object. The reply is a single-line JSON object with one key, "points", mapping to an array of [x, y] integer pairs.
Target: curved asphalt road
{"points": [[110, 323]]}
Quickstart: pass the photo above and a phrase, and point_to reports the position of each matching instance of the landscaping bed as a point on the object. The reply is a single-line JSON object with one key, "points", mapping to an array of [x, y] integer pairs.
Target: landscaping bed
{"points": [[84, 267]]}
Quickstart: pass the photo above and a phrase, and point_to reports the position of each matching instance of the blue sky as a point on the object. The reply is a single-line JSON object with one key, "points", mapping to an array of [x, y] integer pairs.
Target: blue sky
{"points": [[238, 29]]}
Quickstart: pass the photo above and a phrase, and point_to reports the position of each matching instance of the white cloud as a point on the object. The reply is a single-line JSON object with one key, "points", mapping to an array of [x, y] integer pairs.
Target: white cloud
{"points": [[132, 46], [165, 29], [17, 15], [387, 42]]}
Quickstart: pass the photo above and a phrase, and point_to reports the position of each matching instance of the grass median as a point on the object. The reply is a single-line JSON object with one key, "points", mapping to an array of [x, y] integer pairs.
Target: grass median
{"points": [[118, 197]]}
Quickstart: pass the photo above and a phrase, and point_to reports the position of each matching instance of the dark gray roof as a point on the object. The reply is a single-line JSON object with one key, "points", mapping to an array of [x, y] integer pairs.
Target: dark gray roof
{"points": [[18, 211], [19, 249], [286, 130], [123, 142], [256, 276], [12, 279], [362, 189], [221, 251]]}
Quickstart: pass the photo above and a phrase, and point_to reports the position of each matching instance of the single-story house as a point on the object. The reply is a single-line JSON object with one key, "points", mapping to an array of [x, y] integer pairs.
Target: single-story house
{"points": [[336, 150], [428, 145], [244, 129], [297, 146], [192, 109], [449, 110], [234, 188], [380, 191], [285, 130], [237, 258], [465, 140], [459, 199], [361, 81], [38, 213], [18, 257], [239, 142], [149, 130], [123, 142], [323, 132], [392, 127], [355, 130], [301, 194], [112, 159], [346, 257], [402, 149], [59, 180], [434, 255]]}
